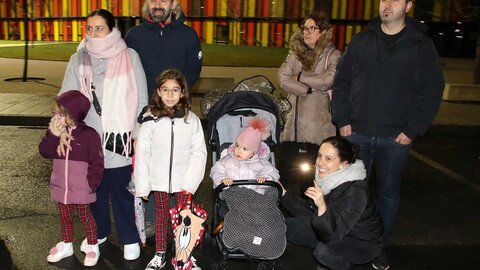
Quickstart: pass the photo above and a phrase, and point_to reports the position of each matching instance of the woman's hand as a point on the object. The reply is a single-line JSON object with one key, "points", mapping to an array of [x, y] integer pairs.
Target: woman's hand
{"points": [[227, 181], [316, 194], [65, 139]]}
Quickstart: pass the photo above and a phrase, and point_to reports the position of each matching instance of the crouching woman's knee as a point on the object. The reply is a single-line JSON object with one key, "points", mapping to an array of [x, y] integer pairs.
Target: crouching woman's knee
{"points": [[327, 256]]}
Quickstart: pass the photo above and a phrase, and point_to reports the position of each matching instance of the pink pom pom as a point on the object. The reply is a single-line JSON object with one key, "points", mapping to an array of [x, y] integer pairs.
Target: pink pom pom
{"points": [[261, 125]]}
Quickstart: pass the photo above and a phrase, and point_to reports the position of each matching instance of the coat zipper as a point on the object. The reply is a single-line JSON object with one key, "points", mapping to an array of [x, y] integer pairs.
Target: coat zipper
{"points": [[172, 133], [296, 119], [66, 170]]}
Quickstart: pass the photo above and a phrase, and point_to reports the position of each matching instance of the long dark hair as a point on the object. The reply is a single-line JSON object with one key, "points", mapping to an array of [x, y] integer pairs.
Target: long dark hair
{"points": [[158, 108], [346, 150], [105, 14]]}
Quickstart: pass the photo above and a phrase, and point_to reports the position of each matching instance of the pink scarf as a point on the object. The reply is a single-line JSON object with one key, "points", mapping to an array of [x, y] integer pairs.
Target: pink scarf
{"points": [[120, 93]]}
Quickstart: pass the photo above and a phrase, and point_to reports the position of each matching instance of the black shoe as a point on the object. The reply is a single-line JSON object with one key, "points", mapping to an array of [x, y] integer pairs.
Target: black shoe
{"points": [[157, 263], [381, 263]]}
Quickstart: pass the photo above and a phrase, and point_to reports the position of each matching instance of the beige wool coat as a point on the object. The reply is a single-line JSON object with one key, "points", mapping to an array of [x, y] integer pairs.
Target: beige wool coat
{"points": [[309, 120]]}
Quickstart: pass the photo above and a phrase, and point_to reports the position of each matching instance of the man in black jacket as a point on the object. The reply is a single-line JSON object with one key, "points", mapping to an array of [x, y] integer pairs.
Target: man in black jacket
{"points": [[163, 41], [387, 91]]}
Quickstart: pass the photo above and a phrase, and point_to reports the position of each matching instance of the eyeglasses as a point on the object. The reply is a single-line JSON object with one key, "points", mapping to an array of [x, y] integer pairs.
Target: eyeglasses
{"points": [[175, 91], [309, 29]]}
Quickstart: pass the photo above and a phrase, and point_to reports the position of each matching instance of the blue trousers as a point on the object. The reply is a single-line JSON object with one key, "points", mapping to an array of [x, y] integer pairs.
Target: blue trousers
{"points": [[389, 159], [114, 185]]}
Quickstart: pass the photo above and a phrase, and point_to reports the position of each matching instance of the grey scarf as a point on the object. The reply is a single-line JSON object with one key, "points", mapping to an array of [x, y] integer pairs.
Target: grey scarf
{"points": [[352, 172]]}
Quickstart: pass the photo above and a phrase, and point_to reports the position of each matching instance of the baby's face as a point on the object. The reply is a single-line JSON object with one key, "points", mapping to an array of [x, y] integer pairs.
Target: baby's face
{"points": [[242, 152]]}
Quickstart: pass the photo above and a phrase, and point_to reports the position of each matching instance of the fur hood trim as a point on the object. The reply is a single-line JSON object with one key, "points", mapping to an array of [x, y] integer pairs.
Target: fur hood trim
{"points": [[309, 57]]}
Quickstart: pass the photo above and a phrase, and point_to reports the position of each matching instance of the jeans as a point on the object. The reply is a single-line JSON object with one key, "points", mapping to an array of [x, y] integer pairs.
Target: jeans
{"points": [[389, 159]]}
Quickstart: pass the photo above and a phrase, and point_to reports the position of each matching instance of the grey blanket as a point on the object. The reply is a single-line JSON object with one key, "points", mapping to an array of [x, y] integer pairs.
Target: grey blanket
{"points": [[254, 224]]}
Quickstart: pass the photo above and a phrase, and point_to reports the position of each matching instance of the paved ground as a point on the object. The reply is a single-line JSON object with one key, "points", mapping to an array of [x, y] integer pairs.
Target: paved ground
{"points": [[437, 225]]}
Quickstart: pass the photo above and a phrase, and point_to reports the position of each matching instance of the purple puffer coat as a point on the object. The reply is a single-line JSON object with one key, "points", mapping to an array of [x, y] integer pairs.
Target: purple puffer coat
{"points": [[76, 176]]}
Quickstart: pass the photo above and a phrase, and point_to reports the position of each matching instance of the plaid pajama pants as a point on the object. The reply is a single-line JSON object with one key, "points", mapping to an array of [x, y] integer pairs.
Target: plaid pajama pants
{"points": [[162, 215], [66, 212]]}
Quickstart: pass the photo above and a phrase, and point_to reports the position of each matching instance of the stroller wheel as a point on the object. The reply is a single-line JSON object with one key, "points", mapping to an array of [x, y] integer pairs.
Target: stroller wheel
{"points": [[265, 266], [224, 265], [224, 253]]}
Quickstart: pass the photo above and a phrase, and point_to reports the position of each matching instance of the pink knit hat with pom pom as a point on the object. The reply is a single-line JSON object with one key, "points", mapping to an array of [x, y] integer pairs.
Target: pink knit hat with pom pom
{"points": [[257, 130]]}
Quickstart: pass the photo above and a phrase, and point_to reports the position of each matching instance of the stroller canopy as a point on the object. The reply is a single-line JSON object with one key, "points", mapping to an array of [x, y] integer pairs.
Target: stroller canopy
{"points": [[228, 110], [244, 100]]}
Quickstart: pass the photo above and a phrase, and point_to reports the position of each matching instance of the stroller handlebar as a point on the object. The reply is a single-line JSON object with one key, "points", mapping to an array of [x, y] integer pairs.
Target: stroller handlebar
{"points": [[244, 182]]}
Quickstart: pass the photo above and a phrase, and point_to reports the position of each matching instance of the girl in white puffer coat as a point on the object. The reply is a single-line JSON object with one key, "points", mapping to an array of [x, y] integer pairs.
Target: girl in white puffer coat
{"points": [[170, 153]]}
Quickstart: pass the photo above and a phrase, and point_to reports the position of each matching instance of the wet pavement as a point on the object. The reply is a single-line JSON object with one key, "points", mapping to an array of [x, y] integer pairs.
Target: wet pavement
{"points": [[437, 224]]}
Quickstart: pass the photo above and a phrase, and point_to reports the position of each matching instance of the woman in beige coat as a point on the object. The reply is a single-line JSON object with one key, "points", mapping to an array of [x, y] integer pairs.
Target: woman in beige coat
{"points": [[307, 75]]}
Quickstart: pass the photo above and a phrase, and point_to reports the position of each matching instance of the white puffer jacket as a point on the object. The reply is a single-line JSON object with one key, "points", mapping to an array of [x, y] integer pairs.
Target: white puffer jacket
{"points": [[170, 155]]}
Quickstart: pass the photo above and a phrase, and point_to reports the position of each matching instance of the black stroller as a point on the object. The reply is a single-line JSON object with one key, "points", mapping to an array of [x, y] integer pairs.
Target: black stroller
{"points": [[241, 217]]}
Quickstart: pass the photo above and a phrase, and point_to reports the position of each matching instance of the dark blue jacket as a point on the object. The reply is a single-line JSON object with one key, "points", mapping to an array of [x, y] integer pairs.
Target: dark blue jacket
{"points": [[382, 93], [161, 47]]}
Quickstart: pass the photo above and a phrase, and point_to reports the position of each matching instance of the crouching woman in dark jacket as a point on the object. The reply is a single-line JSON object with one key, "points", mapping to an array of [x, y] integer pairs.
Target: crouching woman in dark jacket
{"points": [[337, 217]]}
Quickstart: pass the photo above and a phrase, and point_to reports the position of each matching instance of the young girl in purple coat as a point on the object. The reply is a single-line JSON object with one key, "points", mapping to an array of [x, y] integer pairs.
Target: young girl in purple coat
{"points": [[76, 175]]}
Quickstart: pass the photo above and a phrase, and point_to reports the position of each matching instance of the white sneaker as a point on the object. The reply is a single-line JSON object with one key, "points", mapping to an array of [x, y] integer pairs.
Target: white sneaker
{"points": [[92, 253], [157, 263], [194, 262], [131, 251], [59, 251], [84, 244]]}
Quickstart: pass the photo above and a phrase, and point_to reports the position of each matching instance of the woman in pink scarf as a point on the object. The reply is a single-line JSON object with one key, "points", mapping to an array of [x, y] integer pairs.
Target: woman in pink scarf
{"points": [[112, 77]]}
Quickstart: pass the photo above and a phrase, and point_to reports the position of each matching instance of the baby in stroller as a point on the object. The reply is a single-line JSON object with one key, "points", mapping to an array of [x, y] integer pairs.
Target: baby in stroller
{"points": [[253, 224], [247, 158]]}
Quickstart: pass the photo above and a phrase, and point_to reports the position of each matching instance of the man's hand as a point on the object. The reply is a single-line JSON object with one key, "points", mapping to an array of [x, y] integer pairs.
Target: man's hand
{"points": [[403, 139], [346, 130]]}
